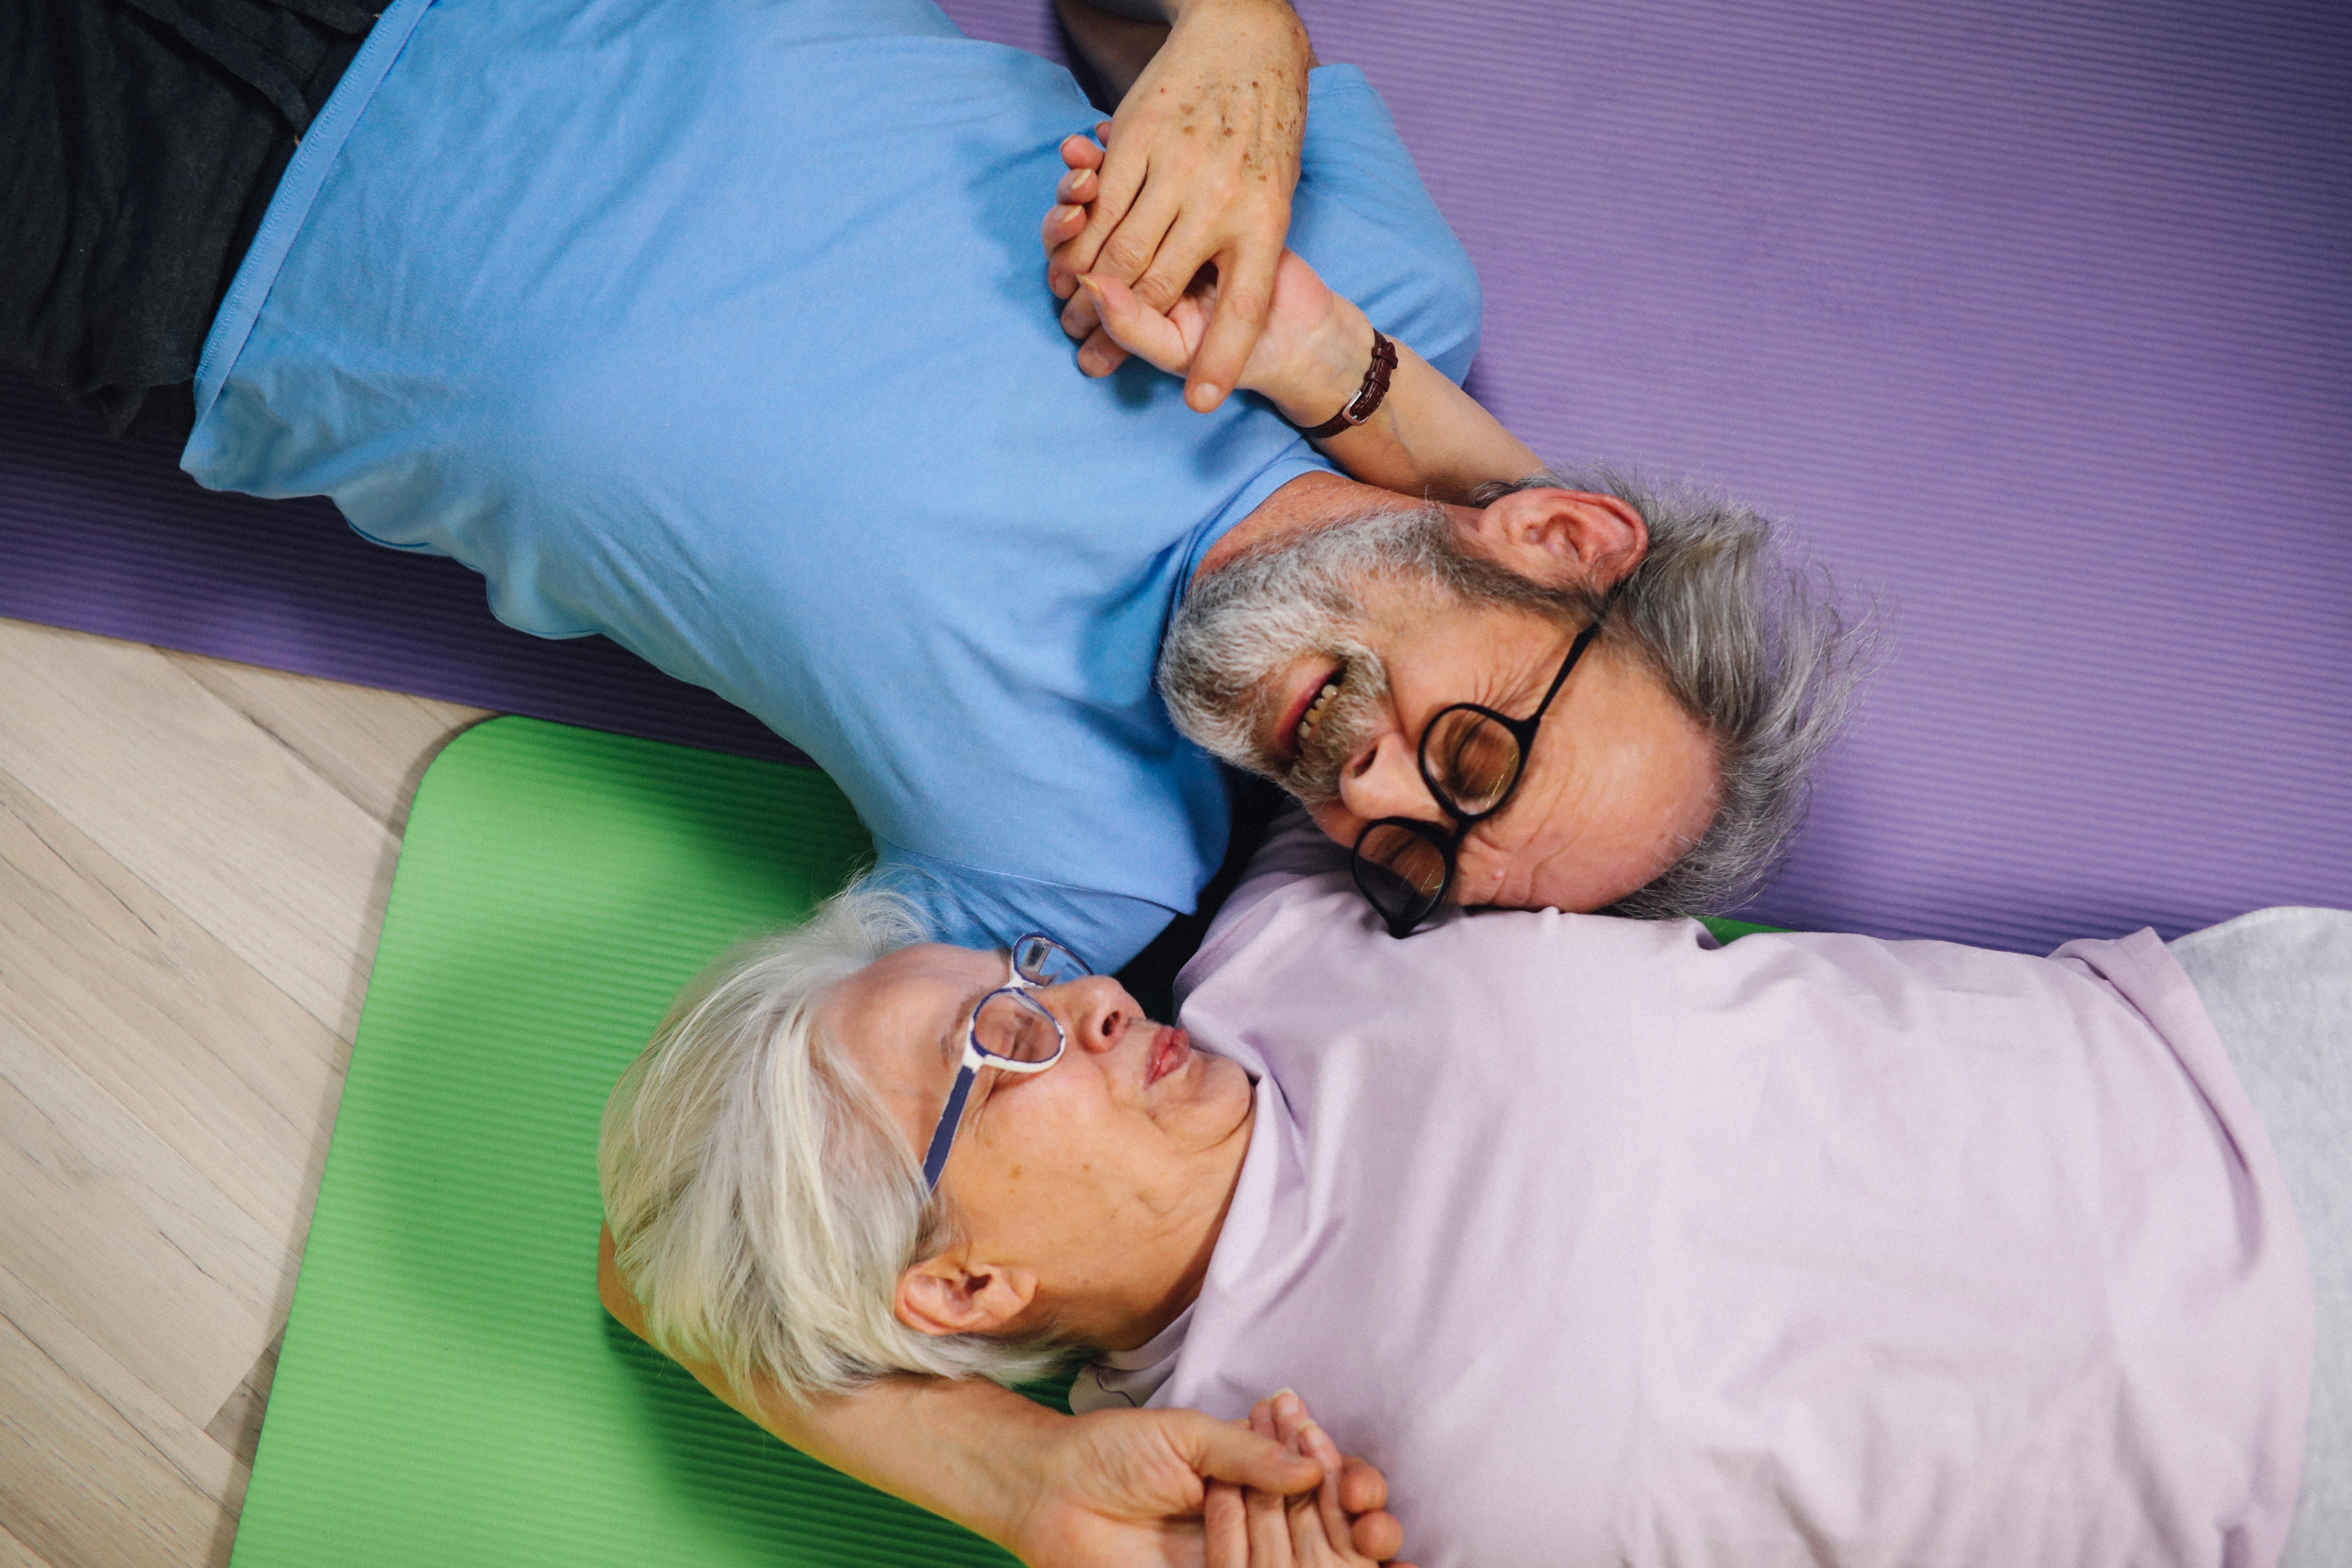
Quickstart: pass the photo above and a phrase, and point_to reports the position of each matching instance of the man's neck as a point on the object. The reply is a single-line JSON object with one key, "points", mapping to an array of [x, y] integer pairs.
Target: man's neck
{"points": [[1306, 503]]}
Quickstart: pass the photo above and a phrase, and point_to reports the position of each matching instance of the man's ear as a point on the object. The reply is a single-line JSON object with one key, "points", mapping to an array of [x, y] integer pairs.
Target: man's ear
{"points": [[941, 1295], [1564, 537]]}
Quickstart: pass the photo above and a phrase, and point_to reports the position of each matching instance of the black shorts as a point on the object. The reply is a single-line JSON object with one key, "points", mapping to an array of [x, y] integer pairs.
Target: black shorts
{"points": [[140, 143]]}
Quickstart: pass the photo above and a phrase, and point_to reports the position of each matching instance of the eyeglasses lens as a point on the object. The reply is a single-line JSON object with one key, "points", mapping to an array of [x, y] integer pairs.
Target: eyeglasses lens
{"points": [[1476, 760], [1011, 1027], [1400, 868], [1041, 961]]}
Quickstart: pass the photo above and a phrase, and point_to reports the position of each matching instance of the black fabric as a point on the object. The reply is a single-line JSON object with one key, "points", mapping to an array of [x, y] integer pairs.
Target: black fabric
{"points": [[1151, 976], [142, 141]]}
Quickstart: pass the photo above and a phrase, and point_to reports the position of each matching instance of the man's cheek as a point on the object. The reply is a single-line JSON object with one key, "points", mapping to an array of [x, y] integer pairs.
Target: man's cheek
{"points": [[1340, 824]]}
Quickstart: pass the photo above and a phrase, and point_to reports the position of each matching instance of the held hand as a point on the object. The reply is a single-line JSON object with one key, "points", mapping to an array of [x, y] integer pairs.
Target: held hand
{"points": [[1250, 1527], [1310, 361], [1097, 354], [1202, 158], [1124, 1487]]}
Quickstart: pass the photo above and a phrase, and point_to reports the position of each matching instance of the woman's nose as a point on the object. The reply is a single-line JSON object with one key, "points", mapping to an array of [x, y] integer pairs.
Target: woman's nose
{"points": [[1095, 1011], [1386, 782]]}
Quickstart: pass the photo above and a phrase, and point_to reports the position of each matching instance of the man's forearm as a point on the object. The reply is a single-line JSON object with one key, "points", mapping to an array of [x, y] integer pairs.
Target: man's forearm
{"points": [[1427, 437]]}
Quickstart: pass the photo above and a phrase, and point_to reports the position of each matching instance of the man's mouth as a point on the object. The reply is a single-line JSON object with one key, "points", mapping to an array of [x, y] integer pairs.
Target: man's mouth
{"points": [[1307, 709], [1170, 1051]]}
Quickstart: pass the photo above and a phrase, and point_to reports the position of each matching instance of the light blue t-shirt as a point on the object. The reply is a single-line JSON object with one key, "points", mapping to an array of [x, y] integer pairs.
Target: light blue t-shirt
{"points": [[720, 328]]}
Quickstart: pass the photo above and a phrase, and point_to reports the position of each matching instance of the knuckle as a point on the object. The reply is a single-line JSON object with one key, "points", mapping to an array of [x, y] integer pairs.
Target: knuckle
{"points": [[1124, 255]]}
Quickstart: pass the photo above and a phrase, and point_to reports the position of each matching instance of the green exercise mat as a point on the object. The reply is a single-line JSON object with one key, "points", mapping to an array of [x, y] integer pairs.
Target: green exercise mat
{"points": [[451, 1393]]}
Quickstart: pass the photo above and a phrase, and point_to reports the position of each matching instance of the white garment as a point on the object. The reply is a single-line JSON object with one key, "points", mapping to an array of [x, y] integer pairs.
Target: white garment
{"points": [[2278, 984], [1126, 1380], [1612, 1245]]}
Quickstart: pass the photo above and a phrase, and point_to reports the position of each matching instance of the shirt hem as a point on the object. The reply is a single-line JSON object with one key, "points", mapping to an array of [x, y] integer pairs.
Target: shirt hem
{"points": [[298, 189]]}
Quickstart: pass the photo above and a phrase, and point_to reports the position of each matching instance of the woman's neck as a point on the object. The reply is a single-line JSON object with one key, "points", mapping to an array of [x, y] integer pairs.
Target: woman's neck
{"points": [[1160, 1266]]}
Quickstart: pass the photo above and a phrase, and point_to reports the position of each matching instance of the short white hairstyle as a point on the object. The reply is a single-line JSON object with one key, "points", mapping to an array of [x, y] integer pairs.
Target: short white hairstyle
{"points": [[762, 1202]]}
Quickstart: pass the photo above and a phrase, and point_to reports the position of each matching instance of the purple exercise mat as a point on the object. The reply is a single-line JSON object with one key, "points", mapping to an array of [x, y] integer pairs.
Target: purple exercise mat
{"points": [[109, 536], [2034, 321]]}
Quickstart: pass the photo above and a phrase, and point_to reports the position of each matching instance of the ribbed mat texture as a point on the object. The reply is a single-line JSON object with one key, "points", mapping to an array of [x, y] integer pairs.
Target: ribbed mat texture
{"points": [[2036, 320], [451, 1393]]}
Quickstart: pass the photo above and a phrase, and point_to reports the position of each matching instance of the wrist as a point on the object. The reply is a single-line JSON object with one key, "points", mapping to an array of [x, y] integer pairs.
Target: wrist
{"points": [[1270, 28], [1013, 1481], [1329, 371]]}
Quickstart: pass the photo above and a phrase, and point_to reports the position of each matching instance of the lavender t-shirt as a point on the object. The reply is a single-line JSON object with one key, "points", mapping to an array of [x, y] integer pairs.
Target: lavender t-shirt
{"points": [[1611, 1245]]}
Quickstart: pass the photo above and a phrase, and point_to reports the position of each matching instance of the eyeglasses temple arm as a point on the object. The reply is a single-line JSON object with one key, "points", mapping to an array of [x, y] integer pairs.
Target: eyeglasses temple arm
{"points": [[935, 1159]]}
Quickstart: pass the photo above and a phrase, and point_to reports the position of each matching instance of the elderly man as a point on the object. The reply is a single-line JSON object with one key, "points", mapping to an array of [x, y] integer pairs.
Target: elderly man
{"points": [[1606, 1244], [717, 330]]}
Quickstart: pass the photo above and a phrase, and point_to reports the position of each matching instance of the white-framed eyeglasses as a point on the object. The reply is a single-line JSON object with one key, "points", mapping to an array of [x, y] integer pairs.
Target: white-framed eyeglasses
{"points": [[1011, 1031]]}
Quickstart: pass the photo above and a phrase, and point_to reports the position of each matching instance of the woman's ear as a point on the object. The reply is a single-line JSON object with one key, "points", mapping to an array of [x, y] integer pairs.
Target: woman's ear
{"points": [[942, 1296], [1564, 537]]}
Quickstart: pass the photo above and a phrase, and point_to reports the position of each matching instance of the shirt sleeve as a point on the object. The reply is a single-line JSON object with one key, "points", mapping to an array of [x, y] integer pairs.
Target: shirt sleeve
{"points": [[968, 907], [1363, 219]]}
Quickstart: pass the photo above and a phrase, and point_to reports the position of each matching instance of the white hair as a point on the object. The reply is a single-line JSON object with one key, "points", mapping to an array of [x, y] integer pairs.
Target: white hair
{"points": [[762, 1202]]}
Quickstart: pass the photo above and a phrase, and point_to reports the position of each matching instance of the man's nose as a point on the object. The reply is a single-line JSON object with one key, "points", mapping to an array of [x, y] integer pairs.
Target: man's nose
{"points": [[1094, 1011], [1386, 782]]}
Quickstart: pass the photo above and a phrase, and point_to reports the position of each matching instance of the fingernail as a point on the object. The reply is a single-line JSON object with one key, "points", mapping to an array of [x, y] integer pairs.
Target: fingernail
{"points": [[1285, 1404], [1086, 281], [1206, 395]]}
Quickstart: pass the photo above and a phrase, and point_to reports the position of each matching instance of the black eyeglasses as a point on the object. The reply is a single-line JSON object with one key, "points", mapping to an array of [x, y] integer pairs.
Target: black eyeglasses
{"points": [[1471, 759]]}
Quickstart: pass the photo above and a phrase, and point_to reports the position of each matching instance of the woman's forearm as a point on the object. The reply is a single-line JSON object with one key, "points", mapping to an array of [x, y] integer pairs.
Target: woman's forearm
{"points": [[1427, 437], [947, 1444], [957, 1448]]}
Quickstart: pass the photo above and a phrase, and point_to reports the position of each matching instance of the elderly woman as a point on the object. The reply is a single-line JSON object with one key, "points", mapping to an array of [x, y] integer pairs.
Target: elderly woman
{"points": [[1603, 1242]]}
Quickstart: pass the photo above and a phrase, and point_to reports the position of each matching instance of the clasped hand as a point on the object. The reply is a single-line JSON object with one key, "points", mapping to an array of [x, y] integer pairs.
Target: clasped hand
{"points": [[1204, 157], [1156, 1489], [1308, 358]]}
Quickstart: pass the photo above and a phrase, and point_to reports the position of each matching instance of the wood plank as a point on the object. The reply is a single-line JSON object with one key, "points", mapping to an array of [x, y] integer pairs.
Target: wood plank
{"points": [[371, 745], [202, 804], [81, 1488], [15, 1553], [236, 1427], [228, 1070], [103, 1228], [199, 1457]]}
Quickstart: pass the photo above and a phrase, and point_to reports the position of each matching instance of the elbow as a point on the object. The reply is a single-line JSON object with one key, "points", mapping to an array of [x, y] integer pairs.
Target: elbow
{"points": [[614, 1291]]}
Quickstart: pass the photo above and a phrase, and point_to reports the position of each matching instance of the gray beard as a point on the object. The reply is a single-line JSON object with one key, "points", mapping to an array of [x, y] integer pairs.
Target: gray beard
{"points": [[1245, 623]]}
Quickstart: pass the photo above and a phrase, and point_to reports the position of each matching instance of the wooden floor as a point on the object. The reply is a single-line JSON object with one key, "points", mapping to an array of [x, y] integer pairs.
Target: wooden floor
{"points": [[194, 859]]}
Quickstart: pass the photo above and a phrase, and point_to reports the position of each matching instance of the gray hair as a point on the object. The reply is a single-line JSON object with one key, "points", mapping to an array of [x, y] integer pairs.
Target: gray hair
{"points": [[762, 1202], [1754, 646]]}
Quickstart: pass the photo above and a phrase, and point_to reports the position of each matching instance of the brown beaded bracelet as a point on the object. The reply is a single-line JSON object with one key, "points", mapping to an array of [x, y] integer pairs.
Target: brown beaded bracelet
{"points": [[1367, 396]]}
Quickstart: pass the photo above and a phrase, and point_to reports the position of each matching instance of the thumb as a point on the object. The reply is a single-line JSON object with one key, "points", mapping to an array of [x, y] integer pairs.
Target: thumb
{"points": [[1220, 1451], [1135, 326]]}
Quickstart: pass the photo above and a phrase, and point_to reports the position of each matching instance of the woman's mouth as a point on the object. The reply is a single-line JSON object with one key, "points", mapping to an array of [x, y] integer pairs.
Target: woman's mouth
{"points": [[1308, 710], [1170, 1051]]}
